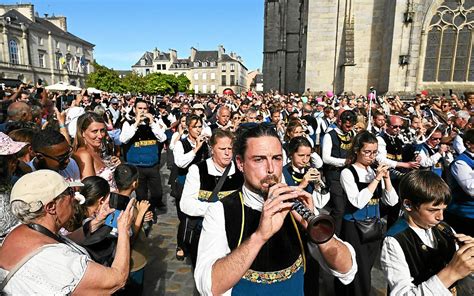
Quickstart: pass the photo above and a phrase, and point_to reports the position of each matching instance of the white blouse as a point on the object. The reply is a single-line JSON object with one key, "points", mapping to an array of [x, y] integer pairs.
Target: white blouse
{"points": [[56, 270]]}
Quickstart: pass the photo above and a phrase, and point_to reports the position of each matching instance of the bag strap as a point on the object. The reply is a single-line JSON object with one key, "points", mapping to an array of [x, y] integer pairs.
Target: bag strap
{"points": [[218, 187], [22, 262]]}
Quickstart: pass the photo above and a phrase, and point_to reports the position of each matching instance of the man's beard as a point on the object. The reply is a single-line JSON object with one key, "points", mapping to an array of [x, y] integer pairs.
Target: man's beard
{"points": [[265, 185]]}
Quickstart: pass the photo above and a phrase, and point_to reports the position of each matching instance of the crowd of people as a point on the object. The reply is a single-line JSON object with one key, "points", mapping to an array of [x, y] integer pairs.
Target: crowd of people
{"points": [[81, 189]]}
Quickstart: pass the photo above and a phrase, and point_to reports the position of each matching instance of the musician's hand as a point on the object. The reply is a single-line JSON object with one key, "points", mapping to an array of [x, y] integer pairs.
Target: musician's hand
{"points": [[462, 263], [307, 199], [464, 239], [275, 208], [412, 165], [381, 171]]}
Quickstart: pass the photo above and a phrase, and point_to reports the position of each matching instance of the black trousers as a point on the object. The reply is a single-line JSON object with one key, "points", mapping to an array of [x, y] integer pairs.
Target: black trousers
{"points": [[181, 216], [338, 202], [365, 257], [149, 180]]}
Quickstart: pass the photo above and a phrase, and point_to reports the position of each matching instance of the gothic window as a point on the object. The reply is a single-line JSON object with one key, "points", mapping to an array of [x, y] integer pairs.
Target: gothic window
{"points": [[449, 52], [13, 48]]}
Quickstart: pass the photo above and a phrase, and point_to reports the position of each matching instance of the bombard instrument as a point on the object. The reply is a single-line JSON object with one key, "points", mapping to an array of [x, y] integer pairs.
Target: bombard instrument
{"points": [[321, 228]]}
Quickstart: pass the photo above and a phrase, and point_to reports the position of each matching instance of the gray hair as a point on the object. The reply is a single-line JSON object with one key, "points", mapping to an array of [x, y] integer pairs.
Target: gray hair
{"points": [[99, 109], [25, 212], [463, 114]]}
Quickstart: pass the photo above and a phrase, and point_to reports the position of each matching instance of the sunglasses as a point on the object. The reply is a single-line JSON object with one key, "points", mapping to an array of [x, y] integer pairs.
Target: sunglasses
{"points": [[396, 126], [61, 159], [436, 139]]}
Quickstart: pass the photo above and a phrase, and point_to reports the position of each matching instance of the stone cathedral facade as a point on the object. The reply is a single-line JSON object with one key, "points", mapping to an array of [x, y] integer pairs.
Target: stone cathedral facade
{"points": [[397, 46]]}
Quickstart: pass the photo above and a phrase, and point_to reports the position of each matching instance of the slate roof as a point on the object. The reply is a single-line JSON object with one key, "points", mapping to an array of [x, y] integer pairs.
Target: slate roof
{"points": [[206, 56], [148, 56], [163, 56], [44, 26]]}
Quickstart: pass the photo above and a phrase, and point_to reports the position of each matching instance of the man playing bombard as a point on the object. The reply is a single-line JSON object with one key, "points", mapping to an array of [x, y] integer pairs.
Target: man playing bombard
{"points": [[252, 242]]}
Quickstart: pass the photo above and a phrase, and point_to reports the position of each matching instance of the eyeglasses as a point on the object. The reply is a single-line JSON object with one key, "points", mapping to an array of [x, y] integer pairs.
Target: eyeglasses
{"points": [[369, 153], [396, 126], [435, 139], [62, 158]]}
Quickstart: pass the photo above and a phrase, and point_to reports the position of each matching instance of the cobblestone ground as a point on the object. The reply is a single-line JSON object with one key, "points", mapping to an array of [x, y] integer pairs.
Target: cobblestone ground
{"points": [[164, 275]]}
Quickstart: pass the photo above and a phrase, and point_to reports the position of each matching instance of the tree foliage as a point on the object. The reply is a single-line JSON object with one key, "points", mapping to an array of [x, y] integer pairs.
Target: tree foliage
{"points": [[104, 79], [108, 80]]}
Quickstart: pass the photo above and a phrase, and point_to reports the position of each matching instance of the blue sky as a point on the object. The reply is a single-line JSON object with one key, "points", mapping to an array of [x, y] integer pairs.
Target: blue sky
{"points": [[123, 30]]}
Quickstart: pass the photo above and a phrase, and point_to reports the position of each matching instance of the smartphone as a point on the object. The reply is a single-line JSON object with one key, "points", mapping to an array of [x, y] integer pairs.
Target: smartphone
{"points": [[118, 202], [40, 81], [59, 103], [450, 92]]}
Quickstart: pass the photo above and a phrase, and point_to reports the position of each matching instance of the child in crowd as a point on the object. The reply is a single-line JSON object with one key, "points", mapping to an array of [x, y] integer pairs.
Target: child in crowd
{"points": [[126, 178], [421, 255]]}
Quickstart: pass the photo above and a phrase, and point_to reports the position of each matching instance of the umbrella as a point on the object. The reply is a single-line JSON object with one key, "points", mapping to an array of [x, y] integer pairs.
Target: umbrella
{"points": [[62, 86], [92, 90]]}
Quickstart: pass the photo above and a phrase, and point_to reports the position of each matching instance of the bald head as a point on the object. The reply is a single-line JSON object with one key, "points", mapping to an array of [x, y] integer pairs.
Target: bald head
{"points": [[19, 111], [395, 124]]}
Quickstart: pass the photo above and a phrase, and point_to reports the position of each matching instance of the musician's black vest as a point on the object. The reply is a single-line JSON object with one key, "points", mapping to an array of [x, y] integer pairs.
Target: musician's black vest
{"points": [[202, 154], [208, 182], [280, 251], [423, 261], [394, 147]]}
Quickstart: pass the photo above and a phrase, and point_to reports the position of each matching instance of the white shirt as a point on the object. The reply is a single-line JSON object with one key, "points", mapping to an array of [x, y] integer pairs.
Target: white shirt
{"points": [[213, 245], [382, 153], [458, 144], [129, 130], [464, 175], [327, 147], [70, 173], [397, 272], [190, 204], [429, 161], [359, 199], [181, 159]]}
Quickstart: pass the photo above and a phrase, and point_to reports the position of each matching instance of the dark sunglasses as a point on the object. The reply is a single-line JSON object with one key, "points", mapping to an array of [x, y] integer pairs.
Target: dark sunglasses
{"points": [[61, 159], [396, 126]]}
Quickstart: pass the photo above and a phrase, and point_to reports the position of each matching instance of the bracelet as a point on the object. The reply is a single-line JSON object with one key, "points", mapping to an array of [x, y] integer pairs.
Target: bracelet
{"points": [[377, 180], [62, 125]]}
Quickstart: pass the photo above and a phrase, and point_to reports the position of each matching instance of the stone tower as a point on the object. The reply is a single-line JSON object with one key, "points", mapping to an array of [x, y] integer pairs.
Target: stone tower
{"points": [[399, 47]]}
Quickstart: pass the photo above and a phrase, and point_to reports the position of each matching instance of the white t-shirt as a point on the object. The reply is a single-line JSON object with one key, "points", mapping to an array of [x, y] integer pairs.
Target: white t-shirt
{"points": [[70, 173]]}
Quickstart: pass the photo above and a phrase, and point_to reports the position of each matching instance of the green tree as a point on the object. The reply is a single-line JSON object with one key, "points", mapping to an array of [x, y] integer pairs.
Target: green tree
{"points": [[134, 83], [105, 79], [183, 83]]}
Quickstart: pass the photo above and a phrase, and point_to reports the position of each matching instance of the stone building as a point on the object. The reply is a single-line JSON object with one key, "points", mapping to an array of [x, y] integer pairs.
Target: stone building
{"points": [[210, 71], [398, 47], [36, 47]]}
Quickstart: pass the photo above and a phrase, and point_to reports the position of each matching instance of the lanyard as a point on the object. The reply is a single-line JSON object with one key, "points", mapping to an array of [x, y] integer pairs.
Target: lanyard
{"points": [[43, 230]]}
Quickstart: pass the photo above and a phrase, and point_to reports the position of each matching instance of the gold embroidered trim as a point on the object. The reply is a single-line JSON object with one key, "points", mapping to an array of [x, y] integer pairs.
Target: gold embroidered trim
{"points": [[272, 277], [205, 195]]}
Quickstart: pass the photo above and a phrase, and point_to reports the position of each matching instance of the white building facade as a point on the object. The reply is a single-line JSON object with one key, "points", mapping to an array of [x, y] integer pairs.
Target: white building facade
{"points": [[36, 47]]}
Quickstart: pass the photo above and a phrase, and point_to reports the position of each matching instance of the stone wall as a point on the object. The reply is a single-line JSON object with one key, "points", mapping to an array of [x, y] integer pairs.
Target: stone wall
{"points": [[349, 45]]}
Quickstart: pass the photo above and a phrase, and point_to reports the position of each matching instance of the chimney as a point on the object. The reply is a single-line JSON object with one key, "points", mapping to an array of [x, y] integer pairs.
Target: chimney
{"points": [[27, 10], [58, 21], [173, 55], [220, 52], [193, 54]]}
